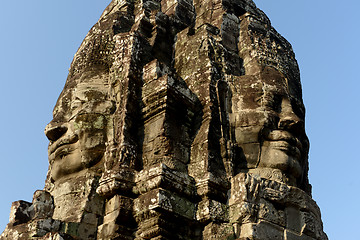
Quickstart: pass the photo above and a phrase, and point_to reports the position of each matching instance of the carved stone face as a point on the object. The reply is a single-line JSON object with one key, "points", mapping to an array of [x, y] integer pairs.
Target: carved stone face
{"points": [[78, 131], [267, 122]]}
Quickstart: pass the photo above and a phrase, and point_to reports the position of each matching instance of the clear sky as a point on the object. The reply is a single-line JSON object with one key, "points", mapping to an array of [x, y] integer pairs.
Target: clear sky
{"points": [[39, 39]]}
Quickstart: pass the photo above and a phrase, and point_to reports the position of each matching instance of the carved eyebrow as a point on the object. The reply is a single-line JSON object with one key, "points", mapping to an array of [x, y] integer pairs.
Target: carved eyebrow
{"points": [[87, 108], [84, 113], [298, 107]]}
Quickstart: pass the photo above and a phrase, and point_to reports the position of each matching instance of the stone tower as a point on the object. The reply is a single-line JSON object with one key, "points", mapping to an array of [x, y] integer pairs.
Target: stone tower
{"points": [[179, 119]]}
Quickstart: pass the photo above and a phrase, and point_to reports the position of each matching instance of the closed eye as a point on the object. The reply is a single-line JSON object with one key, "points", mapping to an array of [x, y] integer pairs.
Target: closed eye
{"points": [[298, 108]]}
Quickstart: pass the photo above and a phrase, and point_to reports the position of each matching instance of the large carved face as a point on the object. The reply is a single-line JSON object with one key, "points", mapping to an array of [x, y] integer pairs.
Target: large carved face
{"points": [[268, 125], [79, 129]]}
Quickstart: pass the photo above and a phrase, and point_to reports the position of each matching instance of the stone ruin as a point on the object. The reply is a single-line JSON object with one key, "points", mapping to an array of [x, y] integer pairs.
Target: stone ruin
{"points": [[179, 119]]}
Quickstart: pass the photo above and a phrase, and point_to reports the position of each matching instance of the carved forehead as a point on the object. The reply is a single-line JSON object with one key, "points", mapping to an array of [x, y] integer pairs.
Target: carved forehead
{"points": [[290, 82], [90, 92], [83, 92], [85, 89], [264, 91], [270, 82]]}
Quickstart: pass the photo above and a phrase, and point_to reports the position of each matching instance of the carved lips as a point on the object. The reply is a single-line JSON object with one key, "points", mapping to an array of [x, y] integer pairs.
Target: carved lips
{"points": [[284, 141], [62, 147]]}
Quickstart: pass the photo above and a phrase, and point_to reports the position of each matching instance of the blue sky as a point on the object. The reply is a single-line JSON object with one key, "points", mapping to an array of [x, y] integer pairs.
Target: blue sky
{"points": [[39, 39]]}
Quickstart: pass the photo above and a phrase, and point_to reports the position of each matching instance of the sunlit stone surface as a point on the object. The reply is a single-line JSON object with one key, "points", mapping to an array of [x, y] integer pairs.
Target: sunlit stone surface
{"points": [[179, 120]]}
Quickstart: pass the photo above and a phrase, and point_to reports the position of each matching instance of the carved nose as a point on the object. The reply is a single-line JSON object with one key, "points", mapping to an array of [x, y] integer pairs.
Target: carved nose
{"points": [[289, 120], [54, 132], [292, 124]]}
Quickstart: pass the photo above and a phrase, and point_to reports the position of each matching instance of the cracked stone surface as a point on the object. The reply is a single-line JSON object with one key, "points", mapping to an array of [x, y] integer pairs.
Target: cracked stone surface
{"points": [[179, 119]]}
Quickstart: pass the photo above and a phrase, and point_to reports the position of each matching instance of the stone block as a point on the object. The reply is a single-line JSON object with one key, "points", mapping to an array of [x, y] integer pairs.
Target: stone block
{"points": [[269, 213], [19, 212], [243, 212], [70, 228], [289, 235], [163, 200], [55, 236], [107, 230], [112, 230], [87, 231], [179, 119], [211, 210], [260, 231], [312, 226], [161, 176], [216, 231], [112, 217], [42, 205], [244, 188], [293, 220], [40, 227], [117, 202], [90, 218]]}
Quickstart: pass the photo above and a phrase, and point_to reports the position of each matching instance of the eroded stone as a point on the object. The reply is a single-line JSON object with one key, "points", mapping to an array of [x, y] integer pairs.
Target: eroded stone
{"points": [[179, 119]]}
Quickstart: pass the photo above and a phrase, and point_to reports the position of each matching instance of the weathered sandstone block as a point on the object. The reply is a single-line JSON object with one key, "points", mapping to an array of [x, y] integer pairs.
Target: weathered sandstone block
{"points": [[179, 119]]}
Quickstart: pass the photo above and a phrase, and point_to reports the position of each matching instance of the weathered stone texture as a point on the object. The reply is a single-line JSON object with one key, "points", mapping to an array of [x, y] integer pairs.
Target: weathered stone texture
{"points": [[179, 119]]}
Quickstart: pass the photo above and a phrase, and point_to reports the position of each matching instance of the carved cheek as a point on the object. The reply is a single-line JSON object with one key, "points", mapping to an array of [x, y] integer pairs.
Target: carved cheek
{"points": [[92, 132], [92, 140]]}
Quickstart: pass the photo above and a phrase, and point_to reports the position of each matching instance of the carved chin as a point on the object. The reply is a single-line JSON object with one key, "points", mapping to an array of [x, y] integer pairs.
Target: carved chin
{"points": [[66, 165], [280, 159], [75, 162], [91, 157]]}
